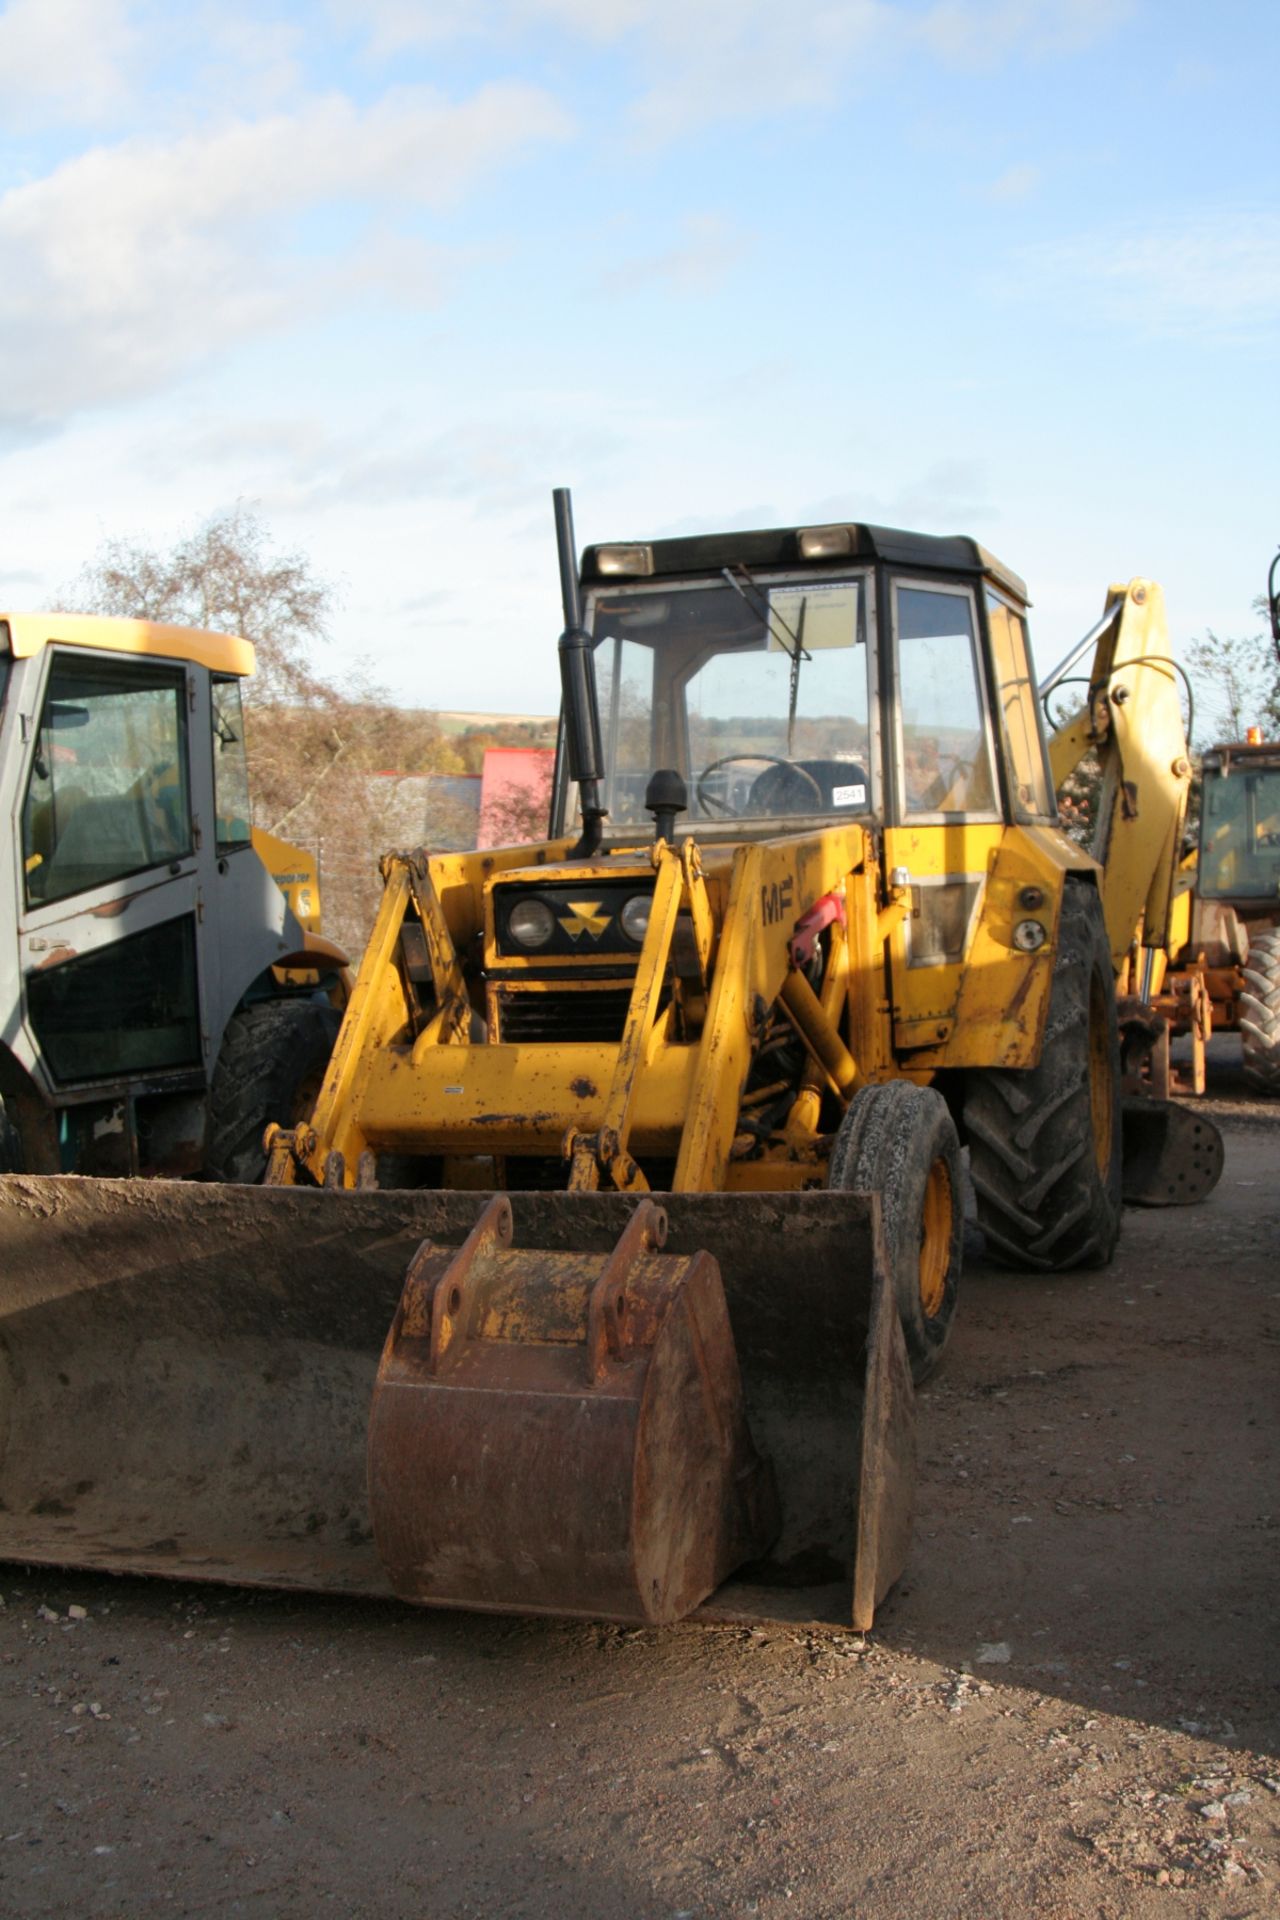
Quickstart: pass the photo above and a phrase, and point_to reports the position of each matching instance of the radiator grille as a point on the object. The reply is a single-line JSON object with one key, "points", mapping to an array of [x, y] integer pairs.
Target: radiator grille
{"points": [[557, 1015]]}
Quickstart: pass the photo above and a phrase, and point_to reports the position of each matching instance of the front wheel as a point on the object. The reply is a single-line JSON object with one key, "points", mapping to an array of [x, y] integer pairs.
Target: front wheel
{"points": [[1045, 1141], [899, 1140], [272, 1062]]}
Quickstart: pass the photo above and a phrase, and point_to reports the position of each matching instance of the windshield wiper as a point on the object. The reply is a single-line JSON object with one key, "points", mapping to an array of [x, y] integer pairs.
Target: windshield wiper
{"points": [[758, 601]]}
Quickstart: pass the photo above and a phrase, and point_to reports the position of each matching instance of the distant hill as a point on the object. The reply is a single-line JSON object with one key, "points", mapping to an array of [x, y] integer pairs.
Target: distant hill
{"points": [[466, 722]]}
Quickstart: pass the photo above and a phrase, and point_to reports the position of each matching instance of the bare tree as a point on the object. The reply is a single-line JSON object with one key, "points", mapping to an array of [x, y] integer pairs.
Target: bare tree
{"points": [[1234, 677], [1237, 680], [316, 745], [223, 577], [336, 765]]}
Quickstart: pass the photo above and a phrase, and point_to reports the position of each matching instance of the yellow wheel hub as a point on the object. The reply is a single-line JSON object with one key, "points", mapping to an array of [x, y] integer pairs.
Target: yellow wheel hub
{"points": [[935, 1241]]}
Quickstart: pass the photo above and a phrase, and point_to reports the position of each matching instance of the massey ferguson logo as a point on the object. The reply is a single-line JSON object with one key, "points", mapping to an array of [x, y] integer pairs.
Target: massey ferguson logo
{"points": [[585, 917]]}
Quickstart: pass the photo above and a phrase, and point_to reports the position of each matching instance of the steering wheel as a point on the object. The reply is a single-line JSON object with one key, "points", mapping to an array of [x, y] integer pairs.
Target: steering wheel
{"points": [[710, 804]]}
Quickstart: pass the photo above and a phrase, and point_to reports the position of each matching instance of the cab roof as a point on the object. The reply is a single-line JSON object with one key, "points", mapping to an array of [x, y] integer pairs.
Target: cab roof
{"points": [[25, 634], [780, 547], [1261, 756]]}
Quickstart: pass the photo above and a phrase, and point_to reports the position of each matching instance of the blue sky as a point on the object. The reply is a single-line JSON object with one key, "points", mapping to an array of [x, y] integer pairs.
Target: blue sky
{"points": [[392, 269]]}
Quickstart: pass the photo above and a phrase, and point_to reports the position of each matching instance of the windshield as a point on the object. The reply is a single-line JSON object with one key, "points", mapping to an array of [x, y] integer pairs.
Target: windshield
{"points": [[1240, 835], [754, 689]]}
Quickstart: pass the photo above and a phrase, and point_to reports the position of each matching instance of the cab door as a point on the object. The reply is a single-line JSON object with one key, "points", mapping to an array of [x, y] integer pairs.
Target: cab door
{"points": [[947, 819], [109, 893]]}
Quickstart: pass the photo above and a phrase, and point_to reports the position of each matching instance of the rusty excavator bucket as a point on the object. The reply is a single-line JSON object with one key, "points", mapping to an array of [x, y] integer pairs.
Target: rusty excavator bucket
{"points": [[582, 1404]]}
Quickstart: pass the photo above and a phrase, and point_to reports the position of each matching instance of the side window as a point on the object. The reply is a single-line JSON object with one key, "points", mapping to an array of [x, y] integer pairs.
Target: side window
{"points": [[1016, 706], [946, 757], [230, 766], [624, 685], [109, 790]]}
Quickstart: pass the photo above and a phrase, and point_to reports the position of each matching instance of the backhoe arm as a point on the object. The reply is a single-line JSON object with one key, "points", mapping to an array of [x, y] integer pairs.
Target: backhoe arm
{"points": [[1132, 719]]}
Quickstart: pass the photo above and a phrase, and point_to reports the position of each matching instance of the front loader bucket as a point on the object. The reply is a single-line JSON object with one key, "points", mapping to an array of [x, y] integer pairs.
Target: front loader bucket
{"points": [[187, 1374], [618, 1478]]}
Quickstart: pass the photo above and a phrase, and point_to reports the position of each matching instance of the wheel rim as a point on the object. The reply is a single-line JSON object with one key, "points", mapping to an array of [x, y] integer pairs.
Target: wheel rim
{"points": [[1101, 1076], [935, 1239]]}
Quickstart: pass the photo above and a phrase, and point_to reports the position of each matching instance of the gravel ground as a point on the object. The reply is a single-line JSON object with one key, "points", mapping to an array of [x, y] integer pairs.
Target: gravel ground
{"points": [[1068, 1708]]}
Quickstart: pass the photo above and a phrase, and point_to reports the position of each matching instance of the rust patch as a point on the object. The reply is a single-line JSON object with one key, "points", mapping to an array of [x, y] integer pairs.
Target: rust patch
{"points": [[1129, 799], [112, 909], [1019, 1000], [56, 958], [584, 1088]]}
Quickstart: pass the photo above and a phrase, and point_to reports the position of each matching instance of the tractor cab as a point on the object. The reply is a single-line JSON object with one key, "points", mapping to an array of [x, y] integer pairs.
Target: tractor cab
{"points": [[810, 677], [1240, 829]]}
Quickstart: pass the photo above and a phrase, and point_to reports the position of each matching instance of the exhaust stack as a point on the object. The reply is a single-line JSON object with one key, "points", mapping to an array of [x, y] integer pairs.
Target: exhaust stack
{"points": [[578, 687]]}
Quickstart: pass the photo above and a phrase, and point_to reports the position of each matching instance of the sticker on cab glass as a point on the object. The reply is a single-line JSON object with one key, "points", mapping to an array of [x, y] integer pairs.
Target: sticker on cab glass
{"points": [[848, 796]]}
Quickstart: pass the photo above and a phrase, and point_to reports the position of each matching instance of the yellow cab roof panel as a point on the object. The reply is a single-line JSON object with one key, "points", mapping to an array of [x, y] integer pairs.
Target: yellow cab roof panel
{"points": [[220, 652]]}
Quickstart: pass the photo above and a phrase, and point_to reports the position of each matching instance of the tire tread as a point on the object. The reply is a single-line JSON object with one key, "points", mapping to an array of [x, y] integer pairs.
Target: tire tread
{"points": [[1042, 1202]]}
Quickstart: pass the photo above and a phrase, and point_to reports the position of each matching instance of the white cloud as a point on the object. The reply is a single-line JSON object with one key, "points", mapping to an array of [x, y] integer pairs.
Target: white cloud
{"points": [[950, 496], [66, 59], [300, 465], [697, 263], [1215, 273], [127, 264], [982, 33], [247, 61], [695, 60], [714, 60], [698, 61], [1018, 182]]}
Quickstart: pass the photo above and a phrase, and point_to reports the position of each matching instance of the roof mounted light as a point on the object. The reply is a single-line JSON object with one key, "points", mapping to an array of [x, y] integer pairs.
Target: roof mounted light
{"points": [[827, 543], [633, 562]]}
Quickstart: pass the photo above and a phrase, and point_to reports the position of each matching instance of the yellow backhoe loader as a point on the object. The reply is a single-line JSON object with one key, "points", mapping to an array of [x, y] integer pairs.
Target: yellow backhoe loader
{"points": [[631, 1202], [1195, 938]]}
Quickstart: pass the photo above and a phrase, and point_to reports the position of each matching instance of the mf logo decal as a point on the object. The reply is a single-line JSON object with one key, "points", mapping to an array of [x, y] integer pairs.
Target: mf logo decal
{"points": [[584, 916], [775, 900]]}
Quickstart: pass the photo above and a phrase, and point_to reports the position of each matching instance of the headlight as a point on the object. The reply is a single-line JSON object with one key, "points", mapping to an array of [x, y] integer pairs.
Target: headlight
{"points": [[1029, 936], [531, 923], [634, 918]]}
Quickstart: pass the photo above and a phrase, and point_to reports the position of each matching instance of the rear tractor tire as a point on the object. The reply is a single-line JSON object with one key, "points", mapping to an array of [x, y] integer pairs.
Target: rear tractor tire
{"points": [[1260, 1013], [899, 1140], [1045, 1145], [10, 1144], [272, 1063]]}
